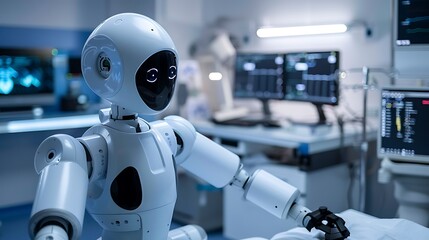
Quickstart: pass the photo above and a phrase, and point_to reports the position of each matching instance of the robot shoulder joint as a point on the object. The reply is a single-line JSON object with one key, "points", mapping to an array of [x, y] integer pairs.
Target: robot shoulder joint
{"points": [[185, 134], [59, 148]]}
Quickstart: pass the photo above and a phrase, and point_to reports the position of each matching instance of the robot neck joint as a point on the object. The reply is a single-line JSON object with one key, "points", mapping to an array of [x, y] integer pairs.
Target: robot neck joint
{"points": [[121, 113]]}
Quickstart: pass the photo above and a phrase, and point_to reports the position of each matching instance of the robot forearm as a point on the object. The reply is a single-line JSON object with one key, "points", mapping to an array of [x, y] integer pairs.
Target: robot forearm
{"points": [[211, 162], [59, 205], [201, 156], [220, 167], [271, 193]]}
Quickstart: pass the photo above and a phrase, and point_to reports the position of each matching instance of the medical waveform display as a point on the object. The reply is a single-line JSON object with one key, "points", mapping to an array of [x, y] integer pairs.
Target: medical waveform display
{"points": [[259, 75], [312, 77], [412, 22], [25, 74], [404, 125]]}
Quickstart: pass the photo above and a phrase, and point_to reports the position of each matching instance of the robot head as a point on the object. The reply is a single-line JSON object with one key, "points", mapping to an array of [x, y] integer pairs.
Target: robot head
{"points": [[130, 60]]}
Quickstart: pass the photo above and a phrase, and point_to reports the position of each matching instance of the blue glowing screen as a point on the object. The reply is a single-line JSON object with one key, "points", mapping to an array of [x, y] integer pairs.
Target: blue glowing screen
{"points": [[25, 72]]}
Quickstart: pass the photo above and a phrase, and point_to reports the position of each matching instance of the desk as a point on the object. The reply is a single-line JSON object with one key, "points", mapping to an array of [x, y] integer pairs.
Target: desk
{"points": [[54, 122], [314, 150]]}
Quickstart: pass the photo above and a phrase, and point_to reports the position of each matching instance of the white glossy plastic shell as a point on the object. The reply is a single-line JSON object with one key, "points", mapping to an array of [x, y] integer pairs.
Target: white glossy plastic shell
{"points": [[211, 162], [63, 183], [271, 193], [201, 156]]}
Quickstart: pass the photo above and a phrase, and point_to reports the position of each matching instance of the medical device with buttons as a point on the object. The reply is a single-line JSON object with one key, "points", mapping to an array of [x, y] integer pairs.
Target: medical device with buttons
{"points": [[404, 126]]}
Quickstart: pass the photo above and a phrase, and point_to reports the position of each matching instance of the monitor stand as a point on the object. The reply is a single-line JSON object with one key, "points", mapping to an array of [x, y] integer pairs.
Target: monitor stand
{"points": [[267, 118], [321, 118], [319, 127], [252, 120]]}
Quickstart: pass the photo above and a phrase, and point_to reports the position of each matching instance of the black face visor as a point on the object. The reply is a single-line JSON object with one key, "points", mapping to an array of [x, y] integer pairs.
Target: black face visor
{"points": [[156, 78]]}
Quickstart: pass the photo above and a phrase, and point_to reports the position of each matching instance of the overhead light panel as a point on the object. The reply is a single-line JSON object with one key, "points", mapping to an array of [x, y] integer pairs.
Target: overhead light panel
{"points": [[215, 76], [267, 32]]}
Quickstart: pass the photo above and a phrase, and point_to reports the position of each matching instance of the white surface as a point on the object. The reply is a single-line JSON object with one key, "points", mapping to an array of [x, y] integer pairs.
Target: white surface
{"points": [[271, 194], [366, 227], [211, 162], [411, 188], [287, 137], [44, 124]]}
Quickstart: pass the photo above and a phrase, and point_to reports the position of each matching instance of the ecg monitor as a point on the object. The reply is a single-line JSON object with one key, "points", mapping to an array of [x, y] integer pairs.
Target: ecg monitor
{"points": [[312, 77], [259, 76]]}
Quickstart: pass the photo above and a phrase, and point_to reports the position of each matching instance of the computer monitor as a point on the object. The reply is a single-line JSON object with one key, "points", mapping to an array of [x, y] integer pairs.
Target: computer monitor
{"points": [[412, 25], [259, 76], [313, 77], [26, 78], [404, 127], [410, 38]]}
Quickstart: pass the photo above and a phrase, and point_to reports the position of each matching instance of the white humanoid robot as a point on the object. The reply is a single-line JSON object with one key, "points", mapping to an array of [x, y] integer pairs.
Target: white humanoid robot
{"points": [[123, 170]]}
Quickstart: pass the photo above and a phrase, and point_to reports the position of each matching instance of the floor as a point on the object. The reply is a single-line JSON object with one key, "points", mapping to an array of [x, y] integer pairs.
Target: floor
{"points": [[14, 225]]}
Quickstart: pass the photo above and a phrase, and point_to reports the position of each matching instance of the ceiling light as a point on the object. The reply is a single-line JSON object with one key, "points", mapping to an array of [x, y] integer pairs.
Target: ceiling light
{"points": [[215, 76], [267, 32]]}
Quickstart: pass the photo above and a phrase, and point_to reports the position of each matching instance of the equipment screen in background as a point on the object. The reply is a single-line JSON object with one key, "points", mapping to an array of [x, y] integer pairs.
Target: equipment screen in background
{"points": [[404, 123], [312, 77], [259, 76]]}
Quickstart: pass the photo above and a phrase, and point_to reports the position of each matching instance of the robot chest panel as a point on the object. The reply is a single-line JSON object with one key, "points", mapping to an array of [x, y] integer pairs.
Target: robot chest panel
{"points": [[141, 171]]}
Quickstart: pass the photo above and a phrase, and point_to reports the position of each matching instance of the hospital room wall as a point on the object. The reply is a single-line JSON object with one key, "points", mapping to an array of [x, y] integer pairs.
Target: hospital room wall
{"points": [[46, 24], [242, 17], [186, 19], [63, 25], [74, 15]]}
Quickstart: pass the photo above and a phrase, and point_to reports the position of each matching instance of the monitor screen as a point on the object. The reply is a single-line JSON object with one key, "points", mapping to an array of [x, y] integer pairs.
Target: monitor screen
{"points": [[259, 76], [412, 22], [26, 77], [312, 77], [404, 124]]}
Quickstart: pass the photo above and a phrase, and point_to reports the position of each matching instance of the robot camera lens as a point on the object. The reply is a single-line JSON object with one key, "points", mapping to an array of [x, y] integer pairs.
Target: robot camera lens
{"points": [[104, 65], [172, 72], [152, 75]]}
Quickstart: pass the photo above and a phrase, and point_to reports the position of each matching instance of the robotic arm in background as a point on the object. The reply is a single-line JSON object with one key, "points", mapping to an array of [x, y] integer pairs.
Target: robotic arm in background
{"points": [[209, 161]]}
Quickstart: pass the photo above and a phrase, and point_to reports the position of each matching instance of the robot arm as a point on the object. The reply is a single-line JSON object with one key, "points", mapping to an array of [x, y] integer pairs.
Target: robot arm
{"points": [[59, 205], [63, 163], [220, 167]]}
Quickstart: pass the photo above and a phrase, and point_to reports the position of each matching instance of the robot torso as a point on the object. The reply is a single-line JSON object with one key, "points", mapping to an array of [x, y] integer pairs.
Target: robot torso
{"points": [[138, 189]]}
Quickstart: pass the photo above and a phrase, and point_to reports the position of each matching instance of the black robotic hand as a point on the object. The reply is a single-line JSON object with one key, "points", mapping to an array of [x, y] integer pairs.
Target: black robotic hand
{"points": [[332, 225]]}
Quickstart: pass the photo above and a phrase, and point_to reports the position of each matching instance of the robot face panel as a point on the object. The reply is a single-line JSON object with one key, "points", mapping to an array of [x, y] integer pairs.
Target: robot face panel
{"points": [[156, 78]]}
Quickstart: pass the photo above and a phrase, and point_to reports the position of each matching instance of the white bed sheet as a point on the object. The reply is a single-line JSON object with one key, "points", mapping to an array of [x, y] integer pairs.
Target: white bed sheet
{"points": [[363, 227]]}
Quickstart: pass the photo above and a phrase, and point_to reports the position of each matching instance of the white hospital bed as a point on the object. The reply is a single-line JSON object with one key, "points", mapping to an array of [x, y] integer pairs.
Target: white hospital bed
{"points": [[363, 227]]}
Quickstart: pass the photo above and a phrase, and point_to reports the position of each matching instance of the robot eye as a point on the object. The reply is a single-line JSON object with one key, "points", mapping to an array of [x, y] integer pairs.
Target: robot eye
{"points": [[152, 75], [172, 72], [104, 65]]}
